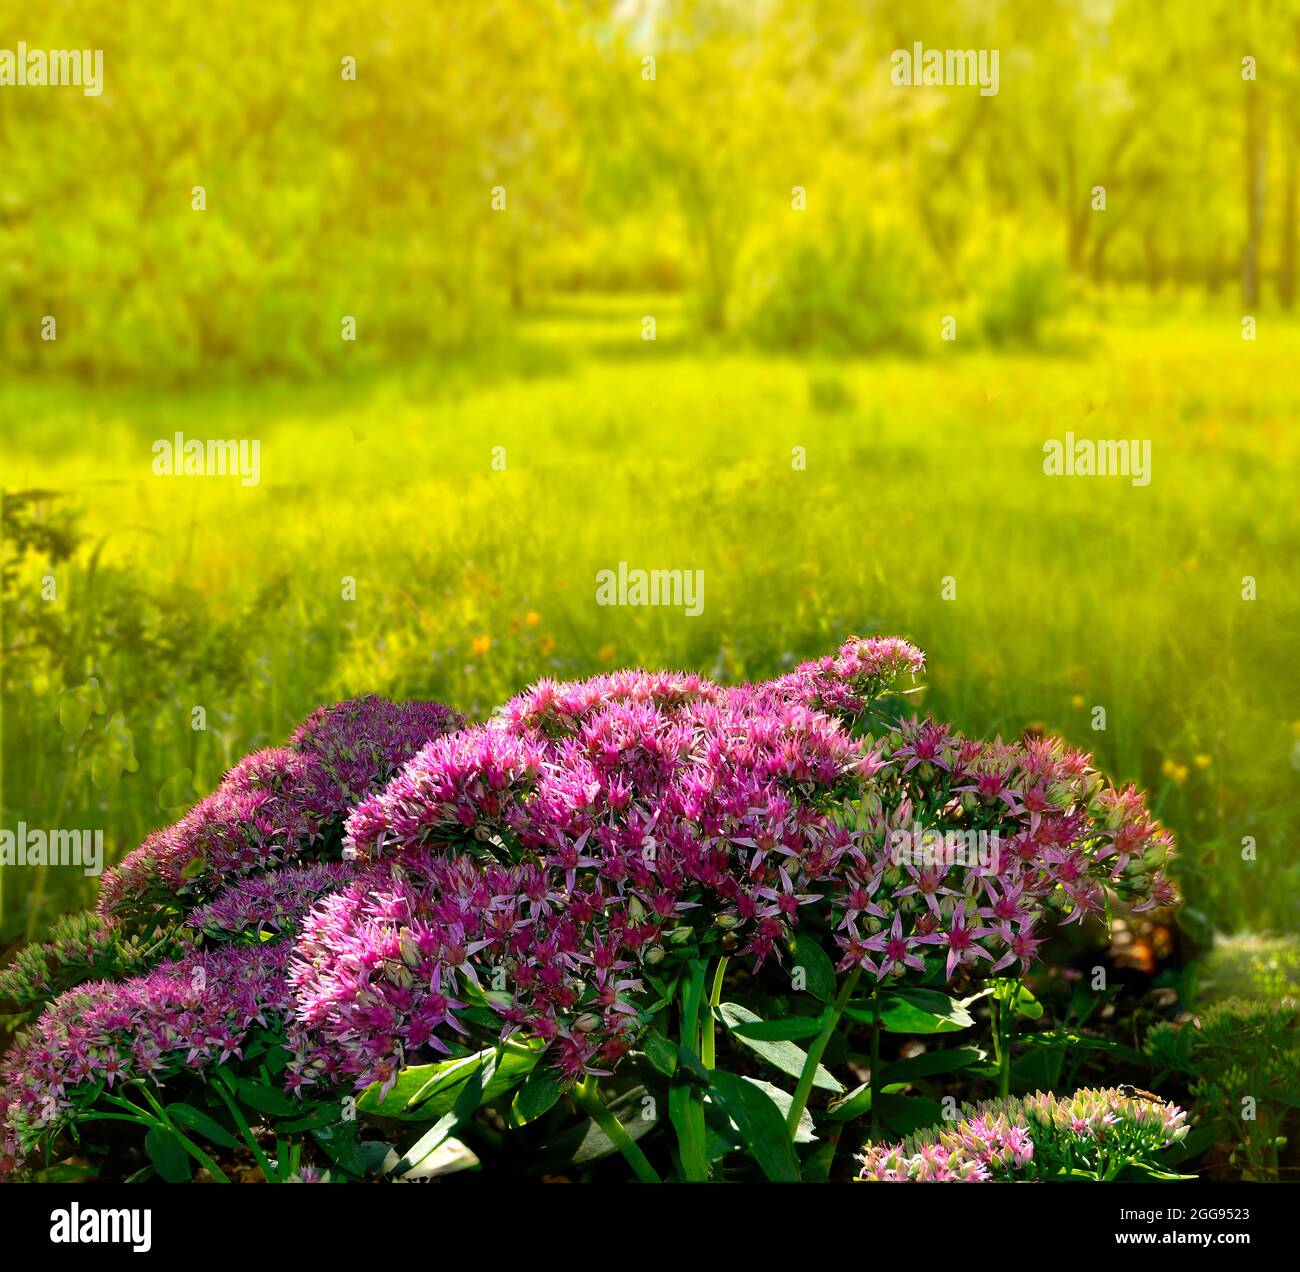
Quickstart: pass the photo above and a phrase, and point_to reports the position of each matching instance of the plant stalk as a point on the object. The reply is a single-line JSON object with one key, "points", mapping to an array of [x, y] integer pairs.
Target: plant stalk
{"points": [[587, 1097], [876, 1083], [830, 1020], [707, 1053]]}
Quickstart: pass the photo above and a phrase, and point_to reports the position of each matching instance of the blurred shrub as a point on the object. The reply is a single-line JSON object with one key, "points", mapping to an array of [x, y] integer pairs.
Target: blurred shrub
{"points": [[845, 290], [1250, 965], [829, 395], [1019, 297], [249, 194]]}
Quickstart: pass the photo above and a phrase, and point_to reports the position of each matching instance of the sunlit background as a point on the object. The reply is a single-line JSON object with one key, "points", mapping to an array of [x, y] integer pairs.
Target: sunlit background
{"points": [[500, 200]]}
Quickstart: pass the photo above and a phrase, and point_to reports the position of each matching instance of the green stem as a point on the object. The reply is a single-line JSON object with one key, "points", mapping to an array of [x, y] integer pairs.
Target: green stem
{"points": [[686, 1101], [161, 1120], [1002, 1018], [272, 1177], [876, 1083], [587, 1097], [830, 1020], [707, 1053]]}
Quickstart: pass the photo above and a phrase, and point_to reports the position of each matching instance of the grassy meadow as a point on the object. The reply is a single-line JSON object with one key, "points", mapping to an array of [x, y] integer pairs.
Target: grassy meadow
{"points": [[821, 497]]}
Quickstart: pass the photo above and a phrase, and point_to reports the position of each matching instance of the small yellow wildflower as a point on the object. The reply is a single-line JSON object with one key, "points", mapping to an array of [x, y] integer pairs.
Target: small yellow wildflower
{"points": [[1176, 773], [1077, 701], [606, 653], [533, 618], [545, 645], [481, 645], [1202, 761]]}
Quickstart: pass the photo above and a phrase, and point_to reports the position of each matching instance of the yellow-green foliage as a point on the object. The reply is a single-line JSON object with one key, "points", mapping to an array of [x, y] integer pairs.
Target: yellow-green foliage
{"points": [[1243, 1059], [470, 583], [1250, 965]]}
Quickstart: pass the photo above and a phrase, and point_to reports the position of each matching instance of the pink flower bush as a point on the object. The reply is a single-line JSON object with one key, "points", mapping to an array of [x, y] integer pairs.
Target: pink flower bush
{"points": [[555, 850], [1036, 1137], [264, 905], [595, 824], [273, 805], [544, 864], [187, 1014], [273, 812], [1060, 839]]}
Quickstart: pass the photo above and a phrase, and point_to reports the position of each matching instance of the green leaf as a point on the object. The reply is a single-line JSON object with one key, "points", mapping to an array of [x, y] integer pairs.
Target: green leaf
{"points": [[66, 1173], [427, 1092], [661, 1053], [448, 1158], [816, 1168], [445, 1075], [266, 1099], [781, 1055], [277, 1059], [904, 1114], [685, 1113], [690, 1068], [469, 1098], [358, 1158], [818, 970], [540, 1092], [323, 1115], [806, 1134], [1023, 1003], [589, 1143], [760, 1124], [913, 1011], [168, 1155], [857, 1102], [790, 1029], [201, 1124], [931, 1062], [1053, 1038]]}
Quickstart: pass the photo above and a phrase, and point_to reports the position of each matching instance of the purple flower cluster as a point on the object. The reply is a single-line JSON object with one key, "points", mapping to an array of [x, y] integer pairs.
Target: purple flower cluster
{"points": [[1035, 1137], [543, 864], [189, 1013], [274, 812], [274, 805], [595, 823], [270, 904], [595, 820], [968, 845]]}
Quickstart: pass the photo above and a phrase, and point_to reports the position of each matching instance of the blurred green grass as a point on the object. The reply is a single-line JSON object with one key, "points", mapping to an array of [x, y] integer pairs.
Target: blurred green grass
{"points": [[471, 583]]}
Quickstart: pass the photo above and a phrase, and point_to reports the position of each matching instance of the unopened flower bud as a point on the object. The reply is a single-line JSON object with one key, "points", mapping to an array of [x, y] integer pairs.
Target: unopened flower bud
{"points": [[410, 951]]}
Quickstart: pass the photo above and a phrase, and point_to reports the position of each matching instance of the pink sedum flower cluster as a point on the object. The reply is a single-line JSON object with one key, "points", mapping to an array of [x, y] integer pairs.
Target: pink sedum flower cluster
{"points": [[589, 825], [189, 1014], [608, 819], [969, 846], [274, 805], [270, 904], [1034, 1137], [545, 863], [240, 863]]}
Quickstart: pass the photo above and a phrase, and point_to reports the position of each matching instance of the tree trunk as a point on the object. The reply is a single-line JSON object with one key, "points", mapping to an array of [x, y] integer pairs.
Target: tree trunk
{"points": [[1256, 169], [1286, 276]]}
